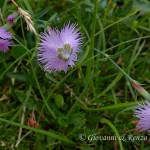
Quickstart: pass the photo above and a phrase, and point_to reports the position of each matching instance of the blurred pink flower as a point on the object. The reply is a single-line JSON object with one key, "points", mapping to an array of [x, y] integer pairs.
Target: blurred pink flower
{"points": [[4, 45], [4, 34], [10, 18], [5, 38]]}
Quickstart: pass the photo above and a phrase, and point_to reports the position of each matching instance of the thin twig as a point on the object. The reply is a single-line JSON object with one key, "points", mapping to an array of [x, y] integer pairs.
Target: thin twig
{"points": [[22, 138], [15, 3], [20, 130]]}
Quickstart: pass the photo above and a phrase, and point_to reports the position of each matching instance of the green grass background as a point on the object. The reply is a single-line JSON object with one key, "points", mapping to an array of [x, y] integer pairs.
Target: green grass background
{"points": [[94, 98]]}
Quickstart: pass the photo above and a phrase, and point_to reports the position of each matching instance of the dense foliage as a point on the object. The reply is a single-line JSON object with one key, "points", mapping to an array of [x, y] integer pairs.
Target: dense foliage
{"points": [[90, 106]]}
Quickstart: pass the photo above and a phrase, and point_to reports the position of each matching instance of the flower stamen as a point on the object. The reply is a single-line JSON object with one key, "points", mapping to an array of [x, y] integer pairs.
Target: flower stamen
{"points": [[65, 52]]}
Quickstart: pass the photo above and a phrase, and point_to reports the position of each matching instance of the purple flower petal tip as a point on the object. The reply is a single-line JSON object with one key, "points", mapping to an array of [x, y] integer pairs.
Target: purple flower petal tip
{"points": [[143, 113], [4, 34], [58, 49], [4, 45], [5, 38]]}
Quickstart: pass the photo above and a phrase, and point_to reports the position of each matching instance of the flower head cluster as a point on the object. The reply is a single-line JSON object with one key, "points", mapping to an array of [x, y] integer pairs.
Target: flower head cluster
{"points": [[58, 49], [10, 18], [5, 38], [143, 113]]}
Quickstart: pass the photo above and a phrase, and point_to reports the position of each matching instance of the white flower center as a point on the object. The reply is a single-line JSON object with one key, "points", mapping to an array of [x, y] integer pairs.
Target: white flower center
{"points": [[65, 52]]}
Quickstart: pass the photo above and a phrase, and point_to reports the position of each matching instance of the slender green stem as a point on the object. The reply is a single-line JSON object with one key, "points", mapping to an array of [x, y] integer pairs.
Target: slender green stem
{"points": [[1, 17], [83, 29], [106, 12], [109, 87], [135, 84], [23, 103], [114, 96], [39, 88], [114, 129], [118, 21], [48, 133], [125, 42], [8, 113], [112, 25], [28, 93], [102, 35], [4, 6], [11, 65], [35, 51], [22, 44], [90, 65], [120, 68], [107, 56], [23, 32], [132, 59], [132, 91], [28, 6], [115, 106], [78, 12], [80, 97]]}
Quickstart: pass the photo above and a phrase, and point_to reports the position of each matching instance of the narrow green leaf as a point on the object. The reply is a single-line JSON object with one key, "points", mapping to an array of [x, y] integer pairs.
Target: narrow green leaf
{"points": [[39, 15], [51, 78], [116, 106], [114, 129], [17, 76], [48, 133]]}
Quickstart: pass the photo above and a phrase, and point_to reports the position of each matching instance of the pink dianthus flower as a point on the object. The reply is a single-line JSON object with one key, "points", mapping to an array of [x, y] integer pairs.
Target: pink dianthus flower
{"points": [[58, 49]]}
